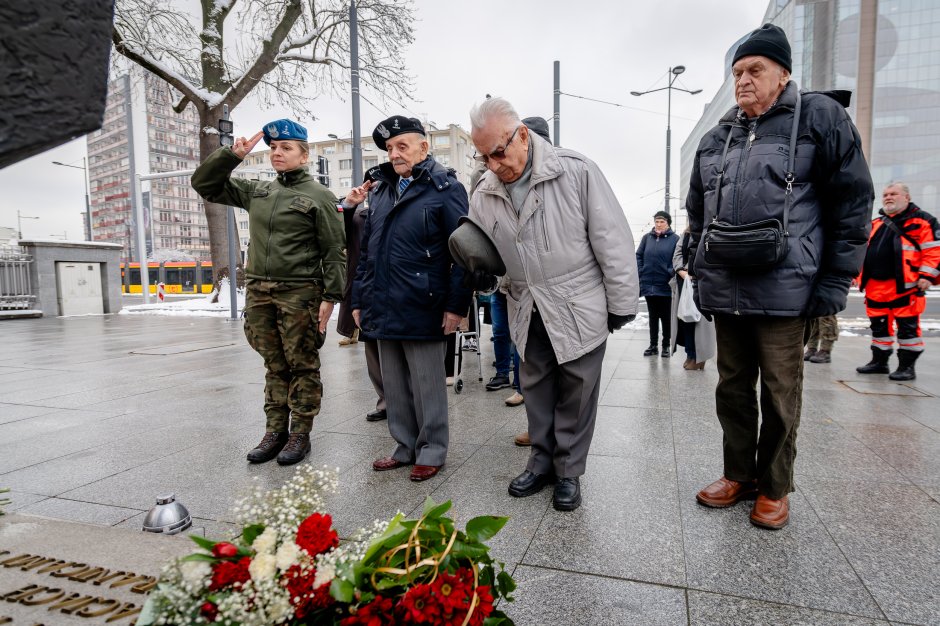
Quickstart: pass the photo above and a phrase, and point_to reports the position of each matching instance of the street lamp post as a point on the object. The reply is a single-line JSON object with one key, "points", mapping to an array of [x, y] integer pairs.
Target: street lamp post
{"points": [[19, 223], [84, 168], [673, 75]]}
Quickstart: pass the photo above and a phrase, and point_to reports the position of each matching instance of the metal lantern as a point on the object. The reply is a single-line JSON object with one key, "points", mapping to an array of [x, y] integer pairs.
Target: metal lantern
{"points": [[167, 516]]}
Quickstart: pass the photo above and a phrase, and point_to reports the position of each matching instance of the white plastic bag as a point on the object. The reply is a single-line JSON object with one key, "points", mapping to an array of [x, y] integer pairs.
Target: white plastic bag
{"points": [[686, 310]]}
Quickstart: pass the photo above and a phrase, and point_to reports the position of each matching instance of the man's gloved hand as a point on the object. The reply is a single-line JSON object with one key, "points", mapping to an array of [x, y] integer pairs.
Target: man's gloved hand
{"points": [[479, 280], [616, 322], [828, 297]]}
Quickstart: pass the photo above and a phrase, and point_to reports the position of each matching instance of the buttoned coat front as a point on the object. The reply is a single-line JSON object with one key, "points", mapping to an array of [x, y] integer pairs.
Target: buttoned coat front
{"points": [[569, 250]]}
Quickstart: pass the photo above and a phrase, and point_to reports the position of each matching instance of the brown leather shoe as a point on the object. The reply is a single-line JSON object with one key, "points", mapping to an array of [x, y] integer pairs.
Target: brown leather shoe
{"points": [[522, 439], [772, 514], [724, 493], [388, 463], [423, 472]]}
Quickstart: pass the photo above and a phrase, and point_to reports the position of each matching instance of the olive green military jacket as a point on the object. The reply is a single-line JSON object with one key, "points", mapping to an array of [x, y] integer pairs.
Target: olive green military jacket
{"points": [[297, 232]]}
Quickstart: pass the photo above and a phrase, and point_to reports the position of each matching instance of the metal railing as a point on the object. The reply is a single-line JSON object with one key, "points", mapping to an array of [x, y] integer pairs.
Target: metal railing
{"points": [[16, 290]]}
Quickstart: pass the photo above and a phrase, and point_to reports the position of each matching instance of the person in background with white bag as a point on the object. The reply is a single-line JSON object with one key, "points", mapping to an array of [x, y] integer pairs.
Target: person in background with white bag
{"points": [[689, 329]]}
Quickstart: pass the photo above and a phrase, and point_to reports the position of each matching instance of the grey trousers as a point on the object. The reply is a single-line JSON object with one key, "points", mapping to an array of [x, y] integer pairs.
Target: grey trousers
{"points": [[561, 404], [374, 368], [416, 394]]}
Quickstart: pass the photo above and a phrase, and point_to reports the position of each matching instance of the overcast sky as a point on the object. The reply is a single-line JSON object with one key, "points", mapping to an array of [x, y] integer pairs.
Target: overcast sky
{"points": [[607, 48]]}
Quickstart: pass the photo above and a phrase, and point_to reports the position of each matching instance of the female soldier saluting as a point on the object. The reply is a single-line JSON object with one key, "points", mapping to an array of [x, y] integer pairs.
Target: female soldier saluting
{"points": [[296, 272]]}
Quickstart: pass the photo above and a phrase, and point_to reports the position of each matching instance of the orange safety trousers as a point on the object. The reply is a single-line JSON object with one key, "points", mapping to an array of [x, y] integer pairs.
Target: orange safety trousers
{"points": [[886, 309]]}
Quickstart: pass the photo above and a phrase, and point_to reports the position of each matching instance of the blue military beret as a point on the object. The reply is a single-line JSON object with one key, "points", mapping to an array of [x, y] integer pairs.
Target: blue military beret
{"points": [[284, 129]]}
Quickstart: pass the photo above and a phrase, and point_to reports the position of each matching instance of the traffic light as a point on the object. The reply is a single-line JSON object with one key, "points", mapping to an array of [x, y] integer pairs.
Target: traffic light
{"points": [[225, 132], [323, 171]]}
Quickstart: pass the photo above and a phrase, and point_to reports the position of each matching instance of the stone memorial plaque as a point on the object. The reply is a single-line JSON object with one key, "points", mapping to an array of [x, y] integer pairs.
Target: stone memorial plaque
{"points": [[54, 572]]}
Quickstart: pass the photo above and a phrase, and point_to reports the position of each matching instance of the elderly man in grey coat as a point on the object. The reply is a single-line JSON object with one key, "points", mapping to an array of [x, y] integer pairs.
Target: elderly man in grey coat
{"points": [[572, 275]]}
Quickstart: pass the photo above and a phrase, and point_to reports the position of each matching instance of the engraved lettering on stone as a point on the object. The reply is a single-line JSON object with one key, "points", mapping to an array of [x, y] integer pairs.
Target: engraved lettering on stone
{"points": [[128, 609], [14, 596], [31, 599], [107, 604]]}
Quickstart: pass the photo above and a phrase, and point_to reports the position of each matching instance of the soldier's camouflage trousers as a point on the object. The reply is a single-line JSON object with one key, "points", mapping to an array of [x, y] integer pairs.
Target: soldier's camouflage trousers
{"points": [[823, 332], [281, 325]]}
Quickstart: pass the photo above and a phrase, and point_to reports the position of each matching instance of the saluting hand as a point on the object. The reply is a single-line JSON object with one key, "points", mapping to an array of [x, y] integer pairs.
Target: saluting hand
{"points": [[243, 146], [358, 194]]}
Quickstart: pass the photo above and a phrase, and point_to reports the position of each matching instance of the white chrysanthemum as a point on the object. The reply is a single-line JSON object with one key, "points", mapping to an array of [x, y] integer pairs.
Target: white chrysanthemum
{"points": [[265, 542], [262, 566], [287, 555], [325, 575]]}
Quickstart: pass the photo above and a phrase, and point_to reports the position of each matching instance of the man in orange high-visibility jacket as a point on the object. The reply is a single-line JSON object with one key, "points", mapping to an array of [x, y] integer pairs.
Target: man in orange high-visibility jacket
{"points": [[902, 261]]}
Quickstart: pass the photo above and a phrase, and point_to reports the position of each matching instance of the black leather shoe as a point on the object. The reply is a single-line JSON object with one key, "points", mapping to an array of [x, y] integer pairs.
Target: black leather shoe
{"points": [[567, 494], [270, 445], [651, 351], [298, 446], [377, 416], [527, 484]]}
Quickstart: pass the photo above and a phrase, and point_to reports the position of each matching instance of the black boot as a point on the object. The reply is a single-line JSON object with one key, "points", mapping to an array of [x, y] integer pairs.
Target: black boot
{"points": [[878, 363], [298, 446], [905, 369], [651, 351], [666, 353], [270, 445]]}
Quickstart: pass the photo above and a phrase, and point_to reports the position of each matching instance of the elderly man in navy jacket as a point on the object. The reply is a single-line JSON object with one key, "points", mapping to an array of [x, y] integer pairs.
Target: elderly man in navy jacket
{"points": [[407, 293]]}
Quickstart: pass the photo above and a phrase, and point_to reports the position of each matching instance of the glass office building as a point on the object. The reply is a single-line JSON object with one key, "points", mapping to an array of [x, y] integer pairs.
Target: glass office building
{"points": [[887, 52]]}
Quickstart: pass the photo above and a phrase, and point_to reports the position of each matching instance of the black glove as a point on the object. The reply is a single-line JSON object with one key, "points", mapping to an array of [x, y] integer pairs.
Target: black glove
{"points": [[828, 297], [479, 280], [616, 322]]}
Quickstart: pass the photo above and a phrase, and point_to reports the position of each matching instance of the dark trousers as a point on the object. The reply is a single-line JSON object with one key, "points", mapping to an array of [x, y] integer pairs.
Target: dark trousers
{"points": [[561, 404], [660, 310], [760, 443], [686, 337]]}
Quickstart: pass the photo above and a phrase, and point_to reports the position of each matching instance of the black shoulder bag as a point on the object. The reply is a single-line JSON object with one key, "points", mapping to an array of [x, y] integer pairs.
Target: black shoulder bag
{"points": [[758, 245]]}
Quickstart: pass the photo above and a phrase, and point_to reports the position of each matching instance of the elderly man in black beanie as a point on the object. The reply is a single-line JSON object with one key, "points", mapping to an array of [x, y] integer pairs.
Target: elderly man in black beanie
{"points": [[407, 293], [777, 242]]}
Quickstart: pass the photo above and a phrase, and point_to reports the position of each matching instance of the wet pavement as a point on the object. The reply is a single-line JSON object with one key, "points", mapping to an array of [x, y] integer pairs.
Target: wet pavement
{"points": [[99, 415]]}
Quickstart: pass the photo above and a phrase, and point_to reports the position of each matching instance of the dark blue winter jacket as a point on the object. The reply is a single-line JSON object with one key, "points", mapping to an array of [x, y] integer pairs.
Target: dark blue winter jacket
{"points": [[654, 262], [406, 278]]}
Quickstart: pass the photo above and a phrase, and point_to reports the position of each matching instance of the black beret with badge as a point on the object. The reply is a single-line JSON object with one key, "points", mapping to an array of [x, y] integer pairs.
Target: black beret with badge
{"points": [[394, 126]]}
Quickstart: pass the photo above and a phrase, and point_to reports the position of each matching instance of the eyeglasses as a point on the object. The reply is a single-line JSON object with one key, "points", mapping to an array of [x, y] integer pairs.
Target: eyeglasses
{"points": [[499, 154]]}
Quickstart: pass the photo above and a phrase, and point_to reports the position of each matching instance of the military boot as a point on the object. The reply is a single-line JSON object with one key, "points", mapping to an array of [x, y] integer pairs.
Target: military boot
{"points": [[298, 446], [268, 448], [905, 369], [821, 356], [810, 353], [878, 363]]}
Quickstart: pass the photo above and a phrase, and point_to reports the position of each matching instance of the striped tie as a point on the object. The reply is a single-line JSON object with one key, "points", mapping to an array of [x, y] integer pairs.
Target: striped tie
{"points": [[402, 184]]}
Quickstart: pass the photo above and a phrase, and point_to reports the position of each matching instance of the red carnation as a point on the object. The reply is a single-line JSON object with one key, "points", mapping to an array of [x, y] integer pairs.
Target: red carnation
{"points": [[379, 612], [420, 605], [224, 550], [209, 611], [302, 594], [225, 573], [316, 534]]}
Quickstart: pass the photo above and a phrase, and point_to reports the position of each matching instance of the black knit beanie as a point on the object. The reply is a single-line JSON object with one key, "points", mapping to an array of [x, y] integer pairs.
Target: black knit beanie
{"points": [[767, 41], [663, 215]]}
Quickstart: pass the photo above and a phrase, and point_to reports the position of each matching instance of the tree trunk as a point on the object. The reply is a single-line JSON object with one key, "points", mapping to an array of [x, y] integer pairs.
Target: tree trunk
{"points": [[216, 214]]}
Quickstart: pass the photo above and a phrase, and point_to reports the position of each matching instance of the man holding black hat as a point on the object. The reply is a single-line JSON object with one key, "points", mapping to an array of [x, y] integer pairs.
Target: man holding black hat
{"points": [[572, 280], [407, 294], [788, 188]]}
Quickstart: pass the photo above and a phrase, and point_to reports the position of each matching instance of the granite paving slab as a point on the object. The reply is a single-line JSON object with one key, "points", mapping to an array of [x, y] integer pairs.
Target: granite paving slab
{"points": [[712, 609], [547, 596]]}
